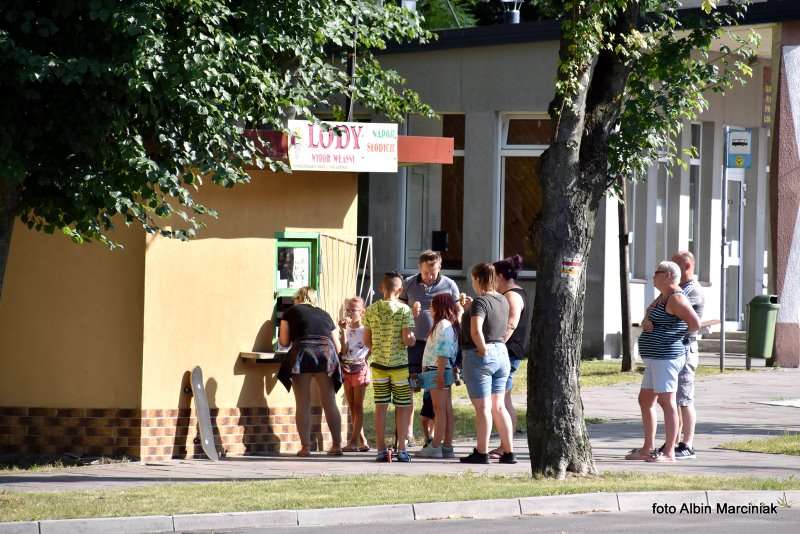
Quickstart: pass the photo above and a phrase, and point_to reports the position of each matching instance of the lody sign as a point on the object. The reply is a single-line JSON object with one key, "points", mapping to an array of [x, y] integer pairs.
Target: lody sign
{"points": [[342, 146], [739, 148]]}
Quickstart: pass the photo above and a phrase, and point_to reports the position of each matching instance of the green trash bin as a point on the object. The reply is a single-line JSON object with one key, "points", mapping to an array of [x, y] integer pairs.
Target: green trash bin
{"points": [[762, 315]]}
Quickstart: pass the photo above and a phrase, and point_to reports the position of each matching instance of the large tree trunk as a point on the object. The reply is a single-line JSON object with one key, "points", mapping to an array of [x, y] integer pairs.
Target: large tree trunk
{"points": [[557, 437], [574, 179], [8, 212]]}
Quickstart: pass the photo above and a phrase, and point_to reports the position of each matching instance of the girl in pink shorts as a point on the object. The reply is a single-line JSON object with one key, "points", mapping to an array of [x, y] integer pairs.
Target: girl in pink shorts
{"points": [[355, 371]]}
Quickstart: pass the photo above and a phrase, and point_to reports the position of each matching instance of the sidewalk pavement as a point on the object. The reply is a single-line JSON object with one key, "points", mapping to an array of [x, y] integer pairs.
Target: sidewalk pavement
{"points": [[725, 406], [489, 509]]}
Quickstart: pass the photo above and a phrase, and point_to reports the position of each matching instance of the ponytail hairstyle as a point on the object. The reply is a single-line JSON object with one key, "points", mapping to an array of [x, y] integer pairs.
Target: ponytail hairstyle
{"points": [[509, 268], [485, 275], [306, 295], [443, 306]]}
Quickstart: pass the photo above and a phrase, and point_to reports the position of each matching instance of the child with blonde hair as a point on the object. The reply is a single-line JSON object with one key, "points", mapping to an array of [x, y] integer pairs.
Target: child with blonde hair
{"points": [[355, 371]]}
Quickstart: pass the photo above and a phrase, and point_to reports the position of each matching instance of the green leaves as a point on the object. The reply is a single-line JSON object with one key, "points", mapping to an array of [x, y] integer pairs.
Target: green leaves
{"points": [[708, 6], [671, 66], [669, 82], [121, 109]]}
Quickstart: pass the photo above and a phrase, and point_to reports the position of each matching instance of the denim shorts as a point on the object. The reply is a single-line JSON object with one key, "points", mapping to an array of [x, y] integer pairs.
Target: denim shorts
{"points": [[662, 375], [486, 375], [427, 379], [515, 363]]}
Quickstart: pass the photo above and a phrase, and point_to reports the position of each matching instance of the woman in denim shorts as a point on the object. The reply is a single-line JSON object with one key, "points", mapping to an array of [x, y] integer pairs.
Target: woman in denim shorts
{"points": [[486, 365], [666, 324]]}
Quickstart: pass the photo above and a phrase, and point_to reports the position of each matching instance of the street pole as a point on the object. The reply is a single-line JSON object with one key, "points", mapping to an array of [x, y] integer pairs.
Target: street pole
{"points": [[624, 268], [723, 246], [351, 74]]}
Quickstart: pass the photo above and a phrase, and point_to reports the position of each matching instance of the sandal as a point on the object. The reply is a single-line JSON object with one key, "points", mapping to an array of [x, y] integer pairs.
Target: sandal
{"points": [[636, 454], [660, 458], [303, 453], [496, 453], [351, 448], [363, 448], [335, 452]]}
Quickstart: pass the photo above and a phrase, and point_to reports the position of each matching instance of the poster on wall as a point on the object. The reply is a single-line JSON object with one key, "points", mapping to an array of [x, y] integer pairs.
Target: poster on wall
{"points": [[293, 267], [300, 269], [342, 146]]}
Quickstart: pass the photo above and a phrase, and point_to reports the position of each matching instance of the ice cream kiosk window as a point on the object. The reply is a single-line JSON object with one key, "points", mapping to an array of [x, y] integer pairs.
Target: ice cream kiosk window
{"points": [[296, 266], [296, 262]]}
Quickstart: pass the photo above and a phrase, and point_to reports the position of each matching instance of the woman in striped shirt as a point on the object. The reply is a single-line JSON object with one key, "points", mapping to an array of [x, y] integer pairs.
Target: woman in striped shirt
{"points": [[663, 351]]}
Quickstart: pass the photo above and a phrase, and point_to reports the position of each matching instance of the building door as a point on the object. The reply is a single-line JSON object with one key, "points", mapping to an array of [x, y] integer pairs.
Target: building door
{"points": [[733, 256]]}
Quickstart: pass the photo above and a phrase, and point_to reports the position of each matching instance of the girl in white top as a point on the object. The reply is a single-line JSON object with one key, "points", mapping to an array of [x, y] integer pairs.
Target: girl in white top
{"points": [[355, 371], [440, 353]]}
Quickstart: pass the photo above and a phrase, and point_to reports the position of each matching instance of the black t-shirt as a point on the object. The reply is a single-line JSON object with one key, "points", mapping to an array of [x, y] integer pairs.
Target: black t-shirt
{"points": [[493, 307], [520, 339], [306, 320]]}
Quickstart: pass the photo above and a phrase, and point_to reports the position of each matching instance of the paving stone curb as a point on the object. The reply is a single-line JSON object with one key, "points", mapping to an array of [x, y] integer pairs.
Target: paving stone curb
{"points": [[489, 509], [567, 504], [498, 508], [355, 515], [117, 525], [273, 518]]}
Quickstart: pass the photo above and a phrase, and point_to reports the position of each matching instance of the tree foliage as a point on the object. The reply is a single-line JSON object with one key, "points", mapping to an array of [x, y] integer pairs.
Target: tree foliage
{"points": [[440, 14], [118, 110], [670, 70]]}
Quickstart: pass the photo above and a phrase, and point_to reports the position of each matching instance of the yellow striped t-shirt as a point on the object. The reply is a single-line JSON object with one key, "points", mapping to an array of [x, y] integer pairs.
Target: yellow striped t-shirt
{"points": [[386, 320]]}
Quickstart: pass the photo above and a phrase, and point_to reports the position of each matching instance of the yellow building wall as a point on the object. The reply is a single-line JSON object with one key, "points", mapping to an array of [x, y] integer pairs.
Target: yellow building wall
{"points": [[208, 299], [71, 320]]}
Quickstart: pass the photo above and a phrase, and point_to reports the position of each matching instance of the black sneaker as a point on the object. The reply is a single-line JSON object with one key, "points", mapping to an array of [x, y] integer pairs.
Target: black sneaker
{"points": [[508, 458], [684, 452], [475, 458]]}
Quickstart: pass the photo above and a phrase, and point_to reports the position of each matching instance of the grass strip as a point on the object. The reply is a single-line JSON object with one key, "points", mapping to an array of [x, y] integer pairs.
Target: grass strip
{"points": [[344, 491], [785, 444]]}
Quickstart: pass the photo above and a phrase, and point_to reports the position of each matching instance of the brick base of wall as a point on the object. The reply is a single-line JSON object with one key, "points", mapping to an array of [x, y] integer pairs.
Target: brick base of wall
{"points": [[153, 434], [237, 432], [56, 431]]}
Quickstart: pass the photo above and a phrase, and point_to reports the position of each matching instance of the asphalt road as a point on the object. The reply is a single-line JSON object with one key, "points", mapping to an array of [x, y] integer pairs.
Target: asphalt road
{"points": [[787, 521]]}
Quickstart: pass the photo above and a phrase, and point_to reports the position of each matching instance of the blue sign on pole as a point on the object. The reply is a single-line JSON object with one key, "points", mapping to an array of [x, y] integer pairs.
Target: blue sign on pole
{"points": [[740, 148]]}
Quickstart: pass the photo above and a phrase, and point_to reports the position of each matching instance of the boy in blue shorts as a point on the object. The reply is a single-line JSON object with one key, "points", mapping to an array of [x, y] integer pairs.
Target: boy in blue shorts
{"points": [[388, 331]]}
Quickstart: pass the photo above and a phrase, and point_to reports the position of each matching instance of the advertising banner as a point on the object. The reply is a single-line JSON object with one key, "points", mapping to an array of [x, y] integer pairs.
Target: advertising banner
{"points": [[342, 146]]}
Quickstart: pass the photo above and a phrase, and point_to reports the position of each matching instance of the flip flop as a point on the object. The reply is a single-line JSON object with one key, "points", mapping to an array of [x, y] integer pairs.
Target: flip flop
{"points": [[364, 448], [351, 448], [335, 452], [303, 453]]}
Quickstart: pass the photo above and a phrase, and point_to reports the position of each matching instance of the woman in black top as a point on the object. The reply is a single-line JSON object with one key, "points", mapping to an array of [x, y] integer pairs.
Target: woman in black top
{"points": [[518, 333], [315, 346], [486, 365]]}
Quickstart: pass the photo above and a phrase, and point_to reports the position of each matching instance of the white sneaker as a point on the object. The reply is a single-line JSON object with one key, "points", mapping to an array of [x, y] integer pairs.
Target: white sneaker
{"points": [[430, 452]]}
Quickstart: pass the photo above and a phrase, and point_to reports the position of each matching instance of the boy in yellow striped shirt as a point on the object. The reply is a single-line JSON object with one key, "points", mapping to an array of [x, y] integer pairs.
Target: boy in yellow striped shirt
{"points": [[388, 331]]}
